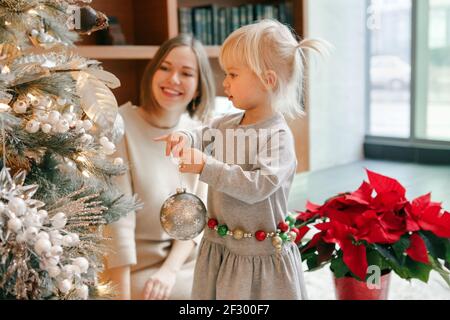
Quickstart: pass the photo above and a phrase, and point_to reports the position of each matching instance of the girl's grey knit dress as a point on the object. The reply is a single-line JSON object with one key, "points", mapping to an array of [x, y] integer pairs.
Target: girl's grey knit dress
{"points": [[249, 193]]}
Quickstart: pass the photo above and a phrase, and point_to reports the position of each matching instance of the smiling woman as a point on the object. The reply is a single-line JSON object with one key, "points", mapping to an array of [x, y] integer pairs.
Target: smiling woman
{"points": [[177, 67], [146, 263], [175, 82]]}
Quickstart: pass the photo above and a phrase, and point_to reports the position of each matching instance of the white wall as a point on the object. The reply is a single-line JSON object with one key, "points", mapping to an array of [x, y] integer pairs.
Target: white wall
{"points": [[337, 83]]}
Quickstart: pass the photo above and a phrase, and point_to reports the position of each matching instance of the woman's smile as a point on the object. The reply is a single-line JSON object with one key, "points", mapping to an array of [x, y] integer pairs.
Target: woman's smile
{"points": [[171, 92]]}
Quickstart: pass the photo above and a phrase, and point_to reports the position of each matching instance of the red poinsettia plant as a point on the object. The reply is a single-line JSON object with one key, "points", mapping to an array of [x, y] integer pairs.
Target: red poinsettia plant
{"points": [[377, 225]]}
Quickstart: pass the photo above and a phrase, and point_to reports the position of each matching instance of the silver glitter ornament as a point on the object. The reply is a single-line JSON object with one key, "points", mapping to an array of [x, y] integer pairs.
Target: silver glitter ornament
{"points": [[183, 215]]}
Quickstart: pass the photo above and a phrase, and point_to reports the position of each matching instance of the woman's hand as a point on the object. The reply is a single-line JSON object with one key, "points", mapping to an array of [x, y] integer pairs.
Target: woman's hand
{"points": [[175, 142], [160, 285], [192, 161]]}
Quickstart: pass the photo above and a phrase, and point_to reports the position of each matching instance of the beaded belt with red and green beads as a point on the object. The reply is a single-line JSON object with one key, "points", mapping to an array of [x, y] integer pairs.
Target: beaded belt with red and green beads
{"points": [[286, 231]]}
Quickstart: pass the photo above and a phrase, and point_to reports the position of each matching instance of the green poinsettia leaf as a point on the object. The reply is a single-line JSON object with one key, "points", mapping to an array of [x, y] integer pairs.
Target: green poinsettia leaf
{"points": [[418, 270], [338, 267], [312, 262], [447, 253], [438, 247], [303, 251], [308, 254], [388, 253], [374, 258], [402, 272], [399, 249]]}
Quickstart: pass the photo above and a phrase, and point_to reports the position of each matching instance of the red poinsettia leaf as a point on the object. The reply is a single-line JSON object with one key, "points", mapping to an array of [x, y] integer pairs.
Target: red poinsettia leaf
{"points": [[346, 216], [437, 204], [335, 202], [300, 233], [355, 258], [432, 220], [311, 211], [373, 232], [312, 206], [323, 226], [365, 218], [417, 249], [339, 234], [392, 222], [363, 195], [383, 184], [313, 242], [417, 207], [411, 224], [420, 203], [305, 216], [390, 200], [411, 219]]}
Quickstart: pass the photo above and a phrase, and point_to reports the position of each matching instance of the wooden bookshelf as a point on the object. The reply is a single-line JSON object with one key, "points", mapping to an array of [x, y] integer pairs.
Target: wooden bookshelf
{"points": [[148, 23]]}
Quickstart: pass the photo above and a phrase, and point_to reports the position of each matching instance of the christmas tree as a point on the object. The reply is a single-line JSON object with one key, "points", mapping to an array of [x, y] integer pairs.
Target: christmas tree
{"points": [[59, 127]]}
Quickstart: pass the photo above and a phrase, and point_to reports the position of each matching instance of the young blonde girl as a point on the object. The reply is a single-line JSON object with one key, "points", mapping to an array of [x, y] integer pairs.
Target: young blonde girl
{"points": [[248, 249], [145, 263]]}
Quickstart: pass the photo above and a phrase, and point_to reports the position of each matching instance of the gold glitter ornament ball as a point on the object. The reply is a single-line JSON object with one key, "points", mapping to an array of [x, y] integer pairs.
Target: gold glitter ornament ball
{"points": [[183, 215]]}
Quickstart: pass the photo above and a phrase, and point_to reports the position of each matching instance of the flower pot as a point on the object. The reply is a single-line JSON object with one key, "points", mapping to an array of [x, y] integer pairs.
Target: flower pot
{"points": [[348, 288]]}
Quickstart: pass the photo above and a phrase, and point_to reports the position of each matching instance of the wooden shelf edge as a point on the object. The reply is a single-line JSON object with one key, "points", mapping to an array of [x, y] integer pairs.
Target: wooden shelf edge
{"points": [[129, 52]]}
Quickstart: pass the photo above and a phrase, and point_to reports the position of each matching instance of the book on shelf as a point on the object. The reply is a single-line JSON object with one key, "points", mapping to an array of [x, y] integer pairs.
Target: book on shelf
{"points": [[222, 25], [206, 24], [215, 25], [197, 23], [259, 11], [250, 15], [268, 12], [243, 15], [185, 20], [211, 23], [234, 18], [208, 27], [282, 15], [228, 21], [289, 9]]}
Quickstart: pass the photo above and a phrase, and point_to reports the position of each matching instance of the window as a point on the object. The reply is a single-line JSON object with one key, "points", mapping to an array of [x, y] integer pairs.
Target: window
{"points": [[390, 68], [432, 121], [409, 73]]}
